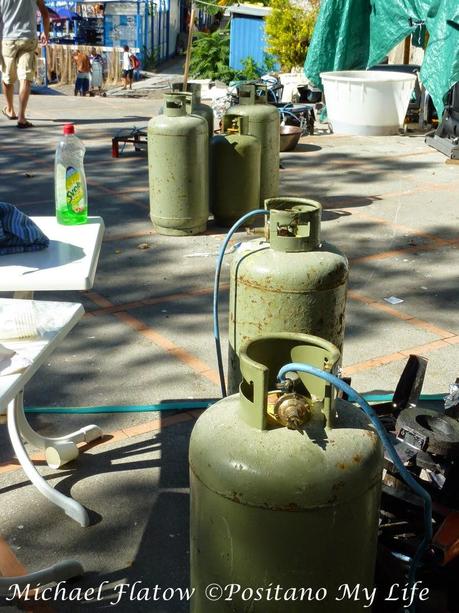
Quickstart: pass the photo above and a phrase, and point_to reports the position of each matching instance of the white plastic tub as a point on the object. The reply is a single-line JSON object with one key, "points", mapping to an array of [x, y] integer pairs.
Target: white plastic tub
{"points": [[367, 102]]}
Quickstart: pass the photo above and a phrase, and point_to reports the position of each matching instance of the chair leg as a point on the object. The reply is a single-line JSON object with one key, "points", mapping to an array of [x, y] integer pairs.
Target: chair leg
{"points": [[71, 507], [83, 435]]}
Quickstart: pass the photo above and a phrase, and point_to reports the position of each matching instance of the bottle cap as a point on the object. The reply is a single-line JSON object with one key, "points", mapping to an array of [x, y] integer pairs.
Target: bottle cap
{"points": [[69, 128]]}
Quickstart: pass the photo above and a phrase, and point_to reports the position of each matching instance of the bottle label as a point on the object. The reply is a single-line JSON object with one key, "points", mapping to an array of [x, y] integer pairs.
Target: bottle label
{"points": [[74, 190]]}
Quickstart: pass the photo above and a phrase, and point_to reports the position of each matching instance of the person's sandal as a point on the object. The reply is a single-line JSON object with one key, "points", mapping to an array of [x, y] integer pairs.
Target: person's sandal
{"points": [[24, 124], [4, 112]]}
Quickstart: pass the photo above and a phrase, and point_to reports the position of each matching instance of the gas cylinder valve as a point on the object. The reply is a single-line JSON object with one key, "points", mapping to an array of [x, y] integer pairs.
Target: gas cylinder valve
{"points": [[290, 229], [292, 411], [234, 128], [289, 384]]}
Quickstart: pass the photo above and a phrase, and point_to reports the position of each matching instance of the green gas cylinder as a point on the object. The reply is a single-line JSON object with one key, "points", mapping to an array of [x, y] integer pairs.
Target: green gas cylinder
{"points": [[178, 153], [285, 489], [235, 171], [197, 107], [264, 125], [290, 282]]}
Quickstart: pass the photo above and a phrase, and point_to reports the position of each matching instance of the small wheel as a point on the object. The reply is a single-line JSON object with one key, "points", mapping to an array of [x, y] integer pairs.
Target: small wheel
{"points": [[104, 95]]}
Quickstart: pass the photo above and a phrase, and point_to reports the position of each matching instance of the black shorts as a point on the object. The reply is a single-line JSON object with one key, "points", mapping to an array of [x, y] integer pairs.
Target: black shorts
{"points": [[82, 85], [128, 73]]}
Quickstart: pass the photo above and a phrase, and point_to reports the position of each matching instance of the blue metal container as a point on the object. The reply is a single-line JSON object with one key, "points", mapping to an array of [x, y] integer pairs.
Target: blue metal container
{"points": [[247, 37]]}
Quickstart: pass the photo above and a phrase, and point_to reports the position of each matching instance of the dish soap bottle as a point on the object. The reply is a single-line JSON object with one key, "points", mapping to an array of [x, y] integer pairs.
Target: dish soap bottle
{"points": [[69, 179]]}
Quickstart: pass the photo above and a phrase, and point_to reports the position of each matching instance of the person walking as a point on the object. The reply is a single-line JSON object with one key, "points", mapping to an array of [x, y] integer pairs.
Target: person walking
{"points": [[18, 52], [128, 69]]}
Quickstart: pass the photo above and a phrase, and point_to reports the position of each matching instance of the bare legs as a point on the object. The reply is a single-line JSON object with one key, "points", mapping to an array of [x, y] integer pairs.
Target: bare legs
{"points": [[127, 80], [24, 93], [8, 91]]}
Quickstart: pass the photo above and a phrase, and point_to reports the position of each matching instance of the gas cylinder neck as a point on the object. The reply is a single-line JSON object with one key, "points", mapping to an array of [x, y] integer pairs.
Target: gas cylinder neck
{"points": [[192, 88], [294, 224], [195, 89], [188, 97], [261, 360], [261, 94], [175, 105], [247, 94]]}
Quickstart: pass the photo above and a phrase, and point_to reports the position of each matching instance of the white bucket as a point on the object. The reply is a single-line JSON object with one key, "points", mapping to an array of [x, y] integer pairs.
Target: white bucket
{"points": [[367, 102]]}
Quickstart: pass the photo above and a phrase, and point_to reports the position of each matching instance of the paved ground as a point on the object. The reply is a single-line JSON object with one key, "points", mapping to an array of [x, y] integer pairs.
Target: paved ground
{"points": [[390, 205]]}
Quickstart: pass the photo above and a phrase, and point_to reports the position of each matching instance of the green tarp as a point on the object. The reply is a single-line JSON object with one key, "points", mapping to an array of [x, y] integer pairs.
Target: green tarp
{"points": [[440, 68], [357, 34]]}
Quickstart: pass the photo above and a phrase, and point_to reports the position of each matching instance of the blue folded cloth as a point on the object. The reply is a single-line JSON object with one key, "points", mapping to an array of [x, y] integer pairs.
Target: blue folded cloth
{"points": [[18, 233]]}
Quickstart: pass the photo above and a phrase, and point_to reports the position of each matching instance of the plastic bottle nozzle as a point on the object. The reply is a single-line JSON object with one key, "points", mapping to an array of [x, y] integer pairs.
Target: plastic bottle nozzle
{"points": [[69, 128]]}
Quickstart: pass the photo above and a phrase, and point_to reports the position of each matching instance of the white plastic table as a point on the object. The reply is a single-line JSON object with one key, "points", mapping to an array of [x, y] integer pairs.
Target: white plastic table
{"points": [[66, 315], [38, 349], [69, 263]]}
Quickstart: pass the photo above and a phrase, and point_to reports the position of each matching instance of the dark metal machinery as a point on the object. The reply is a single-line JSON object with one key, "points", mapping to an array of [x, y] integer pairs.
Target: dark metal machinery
{"points": [[446, 137], [426, 437], [136, 136]]}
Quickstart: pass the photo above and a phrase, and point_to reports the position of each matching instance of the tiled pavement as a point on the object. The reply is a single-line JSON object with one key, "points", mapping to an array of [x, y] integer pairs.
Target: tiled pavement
{"points": [[390, 204]]}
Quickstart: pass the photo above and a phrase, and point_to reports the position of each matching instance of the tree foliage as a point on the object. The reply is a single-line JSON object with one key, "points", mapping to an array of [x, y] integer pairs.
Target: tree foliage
{"points": [[210, 60], [289, 30], [210, 56]]}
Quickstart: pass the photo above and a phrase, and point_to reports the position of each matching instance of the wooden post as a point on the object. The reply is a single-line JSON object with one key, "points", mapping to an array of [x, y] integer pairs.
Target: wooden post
{"points": [[188, 48], [406, 50]]}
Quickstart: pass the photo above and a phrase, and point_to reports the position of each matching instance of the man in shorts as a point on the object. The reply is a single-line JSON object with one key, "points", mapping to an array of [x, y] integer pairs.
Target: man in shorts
{"points": [[19, 44], [83, 66], [128, 70]]}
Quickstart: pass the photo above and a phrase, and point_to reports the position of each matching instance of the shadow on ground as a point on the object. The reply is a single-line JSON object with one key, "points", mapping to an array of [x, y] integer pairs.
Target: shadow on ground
{"points": [[158, 502]]}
